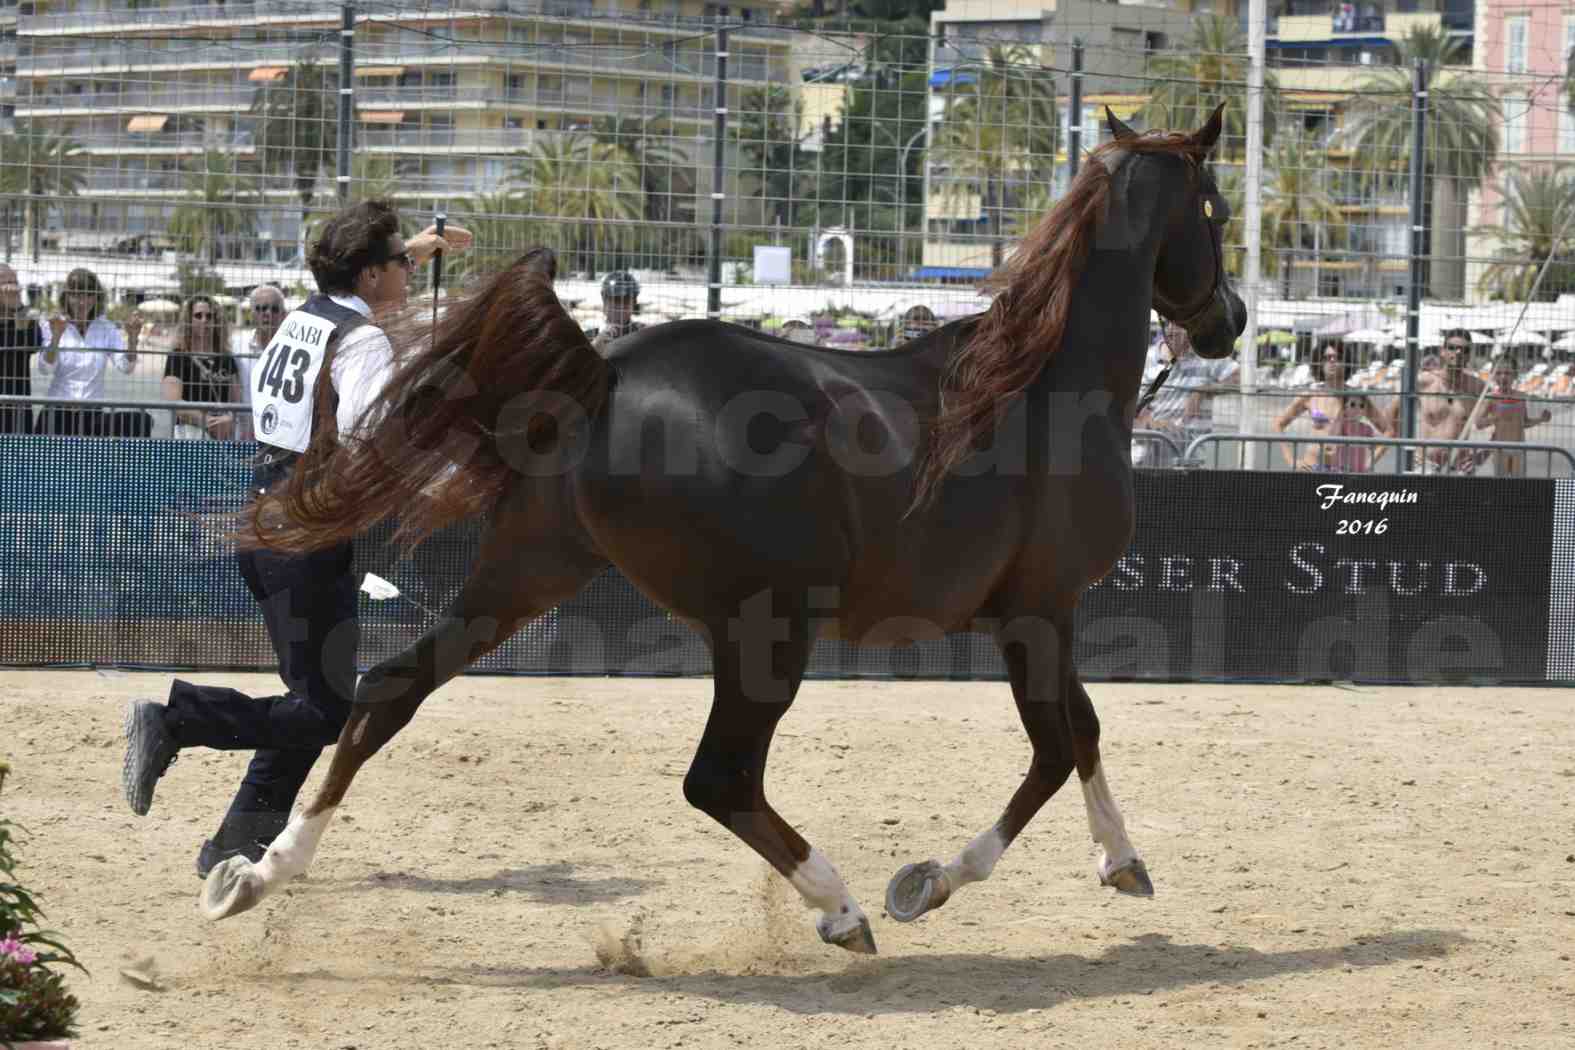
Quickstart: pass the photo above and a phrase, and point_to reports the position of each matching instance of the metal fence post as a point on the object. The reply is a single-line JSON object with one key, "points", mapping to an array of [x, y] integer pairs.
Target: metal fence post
{"points": [[346, 97], [713, 297], [1254, 455], [1413, 315], [1074, 116]]}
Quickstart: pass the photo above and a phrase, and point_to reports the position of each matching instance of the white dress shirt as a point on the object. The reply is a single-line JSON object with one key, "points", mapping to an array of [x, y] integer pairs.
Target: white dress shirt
{"points": [[79, 368], [363, 363]]}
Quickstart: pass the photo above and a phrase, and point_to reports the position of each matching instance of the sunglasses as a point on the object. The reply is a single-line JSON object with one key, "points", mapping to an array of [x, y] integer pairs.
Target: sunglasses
{"points": [[1456, 347], [403, 259], [267, 308]]}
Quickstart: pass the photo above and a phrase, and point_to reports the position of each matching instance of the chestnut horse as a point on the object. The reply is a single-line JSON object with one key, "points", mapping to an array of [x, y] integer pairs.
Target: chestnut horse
{"points": [[768, 493]]}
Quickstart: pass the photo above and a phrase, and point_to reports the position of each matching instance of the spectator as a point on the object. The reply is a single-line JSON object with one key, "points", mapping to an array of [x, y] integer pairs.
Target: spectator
{"points": [[20, 338], [267, 311], [1181, 408], [917, 322], [81, 346], [201, 369], [1505, 411], [1445, 398], [620, 302], [798, 330], [1338, 412]]}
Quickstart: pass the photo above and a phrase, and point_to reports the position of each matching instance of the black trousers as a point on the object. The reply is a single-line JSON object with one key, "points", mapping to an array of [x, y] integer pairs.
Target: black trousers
{"points": [[309, 606]]}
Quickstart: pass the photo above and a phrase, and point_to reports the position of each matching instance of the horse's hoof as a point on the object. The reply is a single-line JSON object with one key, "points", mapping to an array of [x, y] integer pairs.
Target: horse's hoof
{"points": [[1131, 878], [916, 889], [233, 886], [858, 939]]}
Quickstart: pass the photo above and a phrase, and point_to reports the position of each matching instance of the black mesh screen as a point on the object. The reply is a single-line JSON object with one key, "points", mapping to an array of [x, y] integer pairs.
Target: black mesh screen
{"points": [[1232, 576]]}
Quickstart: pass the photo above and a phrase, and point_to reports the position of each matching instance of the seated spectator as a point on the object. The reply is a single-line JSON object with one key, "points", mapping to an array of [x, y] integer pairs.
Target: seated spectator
{"points": [[918, 321], [20, 338], [201, 369], [82, 344], [1336, 411], [268, 309], [1181, 408], [798, 330]]}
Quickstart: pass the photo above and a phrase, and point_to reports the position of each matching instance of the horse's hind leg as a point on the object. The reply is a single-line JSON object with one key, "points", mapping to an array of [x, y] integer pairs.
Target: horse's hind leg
{"points": [[726, 780], [508, 588], [1038, 657], [1120, 866]]}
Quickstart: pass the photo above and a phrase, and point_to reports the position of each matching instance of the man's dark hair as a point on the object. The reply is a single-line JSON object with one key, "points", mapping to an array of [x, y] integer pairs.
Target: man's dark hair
{"points": [[1457, 333], [352, 240], [85, 280]]}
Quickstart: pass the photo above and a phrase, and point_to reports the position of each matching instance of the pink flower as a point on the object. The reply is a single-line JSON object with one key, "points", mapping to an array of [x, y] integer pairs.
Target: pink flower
{"points": [[15, 949]]}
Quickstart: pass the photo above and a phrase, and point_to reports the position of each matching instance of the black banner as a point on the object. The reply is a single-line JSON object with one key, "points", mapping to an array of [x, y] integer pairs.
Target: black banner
{"points": [[1232, 576]]}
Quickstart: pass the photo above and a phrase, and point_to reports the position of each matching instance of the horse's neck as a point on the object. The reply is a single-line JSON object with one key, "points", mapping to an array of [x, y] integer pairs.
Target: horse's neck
{"points": [[1106, 338]]}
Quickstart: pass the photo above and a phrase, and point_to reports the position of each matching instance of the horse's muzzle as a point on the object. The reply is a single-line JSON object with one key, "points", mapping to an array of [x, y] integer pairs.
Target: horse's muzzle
{"points": [[1219, 328]]}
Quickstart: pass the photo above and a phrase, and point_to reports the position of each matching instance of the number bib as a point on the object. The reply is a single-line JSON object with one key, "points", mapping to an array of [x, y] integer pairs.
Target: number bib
{"points": [[285, 380]]}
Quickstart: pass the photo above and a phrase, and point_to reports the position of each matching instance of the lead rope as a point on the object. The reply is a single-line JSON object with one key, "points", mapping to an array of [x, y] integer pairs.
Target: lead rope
{"points": [[1153, 388]]}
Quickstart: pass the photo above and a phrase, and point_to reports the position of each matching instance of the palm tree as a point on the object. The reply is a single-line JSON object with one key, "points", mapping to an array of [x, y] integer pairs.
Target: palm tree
{"points": [[209, 215], [1298, 210], [666, 177], [503, 227], [1210, 68], [1537, 226], [1461, 143], [593, 188], [297, 130], [39, 164], [997, 132]]}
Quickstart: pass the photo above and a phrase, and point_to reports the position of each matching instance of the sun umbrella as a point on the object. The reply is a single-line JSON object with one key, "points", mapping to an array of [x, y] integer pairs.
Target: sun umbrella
{"points": [[159, 306]]}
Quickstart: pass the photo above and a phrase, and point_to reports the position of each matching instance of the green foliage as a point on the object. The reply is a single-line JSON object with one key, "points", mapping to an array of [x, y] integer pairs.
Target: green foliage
{"points": [[195, 278], [1209, 68], [1539, 224], [34, 1003]]}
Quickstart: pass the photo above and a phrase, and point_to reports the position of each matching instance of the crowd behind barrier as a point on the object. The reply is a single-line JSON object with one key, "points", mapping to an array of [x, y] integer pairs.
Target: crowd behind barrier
{"points": [[199, 356]]}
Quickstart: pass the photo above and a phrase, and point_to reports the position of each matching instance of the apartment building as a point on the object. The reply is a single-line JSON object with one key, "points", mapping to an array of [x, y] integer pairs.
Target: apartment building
{"points": [[969, 217], [454, 93], [1523, 56]]}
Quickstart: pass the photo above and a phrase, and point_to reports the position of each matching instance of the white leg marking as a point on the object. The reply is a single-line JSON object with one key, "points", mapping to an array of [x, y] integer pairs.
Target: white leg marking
{"points": [[977, 859], [292, 851], [823, 890], [1105, 823]]}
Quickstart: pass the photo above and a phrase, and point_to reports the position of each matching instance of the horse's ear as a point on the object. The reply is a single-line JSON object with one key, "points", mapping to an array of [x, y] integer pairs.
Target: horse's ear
{"points": [[1209, 133], [1118, 130]]}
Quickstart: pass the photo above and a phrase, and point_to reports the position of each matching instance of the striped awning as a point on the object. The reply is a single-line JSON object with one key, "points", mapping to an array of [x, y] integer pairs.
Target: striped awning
{"points": [[148, 122], [379, 71], [264, 74], [382, 116]]}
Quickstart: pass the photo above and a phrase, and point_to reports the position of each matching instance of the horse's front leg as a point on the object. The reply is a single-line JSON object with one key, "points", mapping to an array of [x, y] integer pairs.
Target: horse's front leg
{"points": [[1038, 655]]}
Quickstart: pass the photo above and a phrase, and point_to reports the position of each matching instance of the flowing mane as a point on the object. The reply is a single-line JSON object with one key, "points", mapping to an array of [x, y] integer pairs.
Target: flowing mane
{"points": [[1025, 324]]}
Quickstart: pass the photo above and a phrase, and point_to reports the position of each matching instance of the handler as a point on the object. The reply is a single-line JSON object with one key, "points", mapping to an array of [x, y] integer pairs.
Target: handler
{"points": [[362, 267]]}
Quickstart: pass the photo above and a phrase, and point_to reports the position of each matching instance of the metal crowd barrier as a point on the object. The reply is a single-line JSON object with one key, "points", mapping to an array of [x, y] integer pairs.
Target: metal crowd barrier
{"points": [[1296, 441]]}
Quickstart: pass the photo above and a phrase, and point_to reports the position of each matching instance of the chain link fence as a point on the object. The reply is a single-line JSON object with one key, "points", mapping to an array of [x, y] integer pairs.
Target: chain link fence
{"points": [[856, 168]]}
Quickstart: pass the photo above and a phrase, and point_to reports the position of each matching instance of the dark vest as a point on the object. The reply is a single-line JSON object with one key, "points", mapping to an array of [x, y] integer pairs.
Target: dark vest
{"points": [[273, 464]]}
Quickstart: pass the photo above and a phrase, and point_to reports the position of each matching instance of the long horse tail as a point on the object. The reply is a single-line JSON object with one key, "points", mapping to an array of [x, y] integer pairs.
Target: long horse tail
{"points": [[502, 370]]}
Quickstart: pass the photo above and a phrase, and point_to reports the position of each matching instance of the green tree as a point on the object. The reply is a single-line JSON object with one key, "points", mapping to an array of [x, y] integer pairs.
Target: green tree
{"points": [[591, 188], [39, 165], [667, 182], [999, 131], [1210, 68], [297, 129], [218, 206], [1299, 212], [1537, 226], [1461, 143]]}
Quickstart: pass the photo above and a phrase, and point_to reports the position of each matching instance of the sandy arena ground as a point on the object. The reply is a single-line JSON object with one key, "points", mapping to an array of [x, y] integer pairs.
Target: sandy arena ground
{"points": [[1335, 867]]}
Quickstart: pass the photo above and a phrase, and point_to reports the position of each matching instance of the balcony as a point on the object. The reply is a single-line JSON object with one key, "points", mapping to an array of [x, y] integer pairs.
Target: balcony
{"points": [[197, 98], [1350, 21], [41, 60], [161, 143], [453, 140]]}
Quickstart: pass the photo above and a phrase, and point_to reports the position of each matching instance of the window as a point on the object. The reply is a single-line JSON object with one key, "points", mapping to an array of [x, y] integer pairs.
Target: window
{"points": [[1516, 28], [1516, 108]]}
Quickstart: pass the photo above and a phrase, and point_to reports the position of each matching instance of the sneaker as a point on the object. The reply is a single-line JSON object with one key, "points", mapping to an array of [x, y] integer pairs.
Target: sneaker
{"points": [[211, 855], [150, 750]]}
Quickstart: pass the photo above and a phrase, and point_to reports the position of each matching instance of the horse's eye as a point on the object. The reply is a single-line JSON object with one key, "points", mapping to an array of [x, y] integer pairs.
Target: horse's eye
{"points": [[1208, 209]]}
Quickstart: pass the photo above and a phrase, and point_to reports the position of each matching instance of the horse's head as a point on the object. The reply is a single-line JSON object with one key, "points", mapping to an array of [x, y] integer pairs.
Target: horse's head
{"points": [[1174, 190]]}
